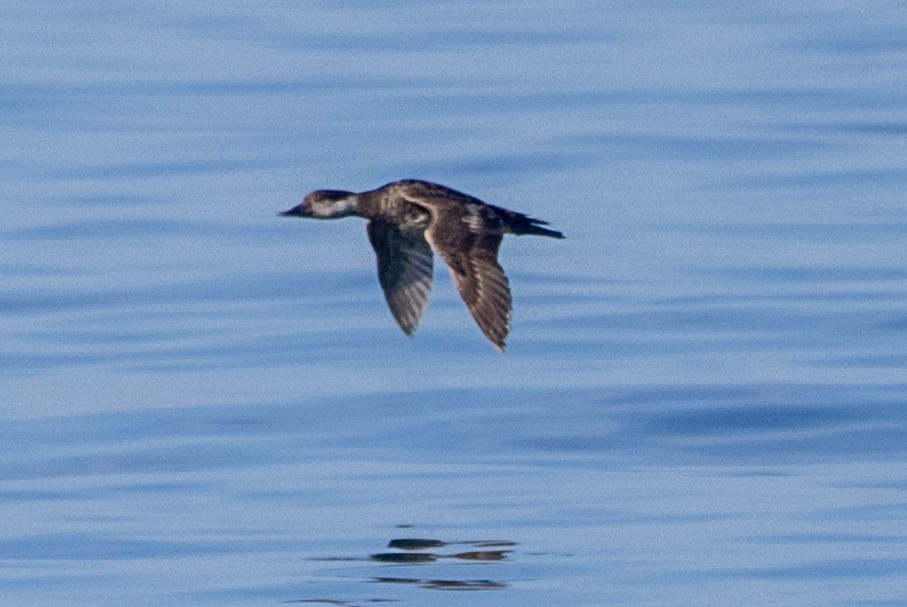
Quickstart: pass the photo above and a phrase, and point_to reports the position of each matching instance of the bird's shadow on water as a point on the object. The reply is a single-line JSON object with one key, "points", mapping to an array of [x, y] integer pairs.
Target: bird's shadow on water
{"points": [[409, 559]]}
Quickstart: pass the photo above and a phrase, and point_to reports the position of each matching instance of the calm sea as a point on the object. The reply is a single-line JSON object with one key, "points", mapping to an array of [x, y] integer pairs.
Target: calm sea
{"points": [[704, 399]]}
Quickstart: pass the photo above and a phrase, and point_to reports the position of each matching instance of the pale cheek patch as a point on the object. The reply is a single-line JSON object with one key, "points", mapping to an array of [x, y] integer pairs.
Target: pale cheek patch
{"points": [[342, 208]]}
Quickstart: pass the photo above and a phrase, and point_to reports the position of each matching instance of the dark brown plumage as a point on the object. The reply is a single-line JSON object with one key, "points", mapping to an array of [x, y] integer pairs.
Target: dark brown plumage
{"points": [[410, 218]]}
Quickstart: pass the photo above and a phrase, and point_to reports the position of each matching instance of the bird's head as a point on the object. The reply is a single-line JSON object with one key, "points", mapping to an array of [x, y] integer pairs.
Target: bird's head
{"points": [[324, 204]]}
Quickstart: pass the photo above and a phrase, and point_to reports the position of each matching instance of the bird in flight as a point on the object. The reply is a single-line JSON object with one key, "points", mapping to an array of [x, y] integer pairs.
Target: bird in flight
{"points": [[407, 220]]}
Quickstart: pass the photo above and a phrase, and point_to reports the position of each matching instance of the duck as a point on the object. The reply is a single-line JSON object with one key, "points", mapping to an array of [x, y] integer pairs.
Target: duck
{"points": [[407, 221]]}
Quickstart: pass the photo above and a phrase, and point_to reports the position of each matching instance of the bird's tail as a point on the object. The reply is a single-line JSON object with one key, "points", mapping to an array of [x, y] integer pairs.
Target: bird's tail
{"points": [[535, 228], [520, 224]]}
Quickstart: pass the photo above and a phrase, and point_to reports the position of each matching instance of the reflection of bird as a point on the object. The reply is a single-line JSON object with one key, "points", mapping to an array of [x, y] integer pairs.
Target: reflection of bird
{"points": [[407, 219]]}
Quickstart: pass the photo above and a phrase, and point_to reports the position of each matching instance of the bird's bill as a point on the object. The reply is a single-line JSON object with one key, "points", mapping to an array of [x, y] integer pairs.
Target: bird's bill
{"points": [[297, 211]]}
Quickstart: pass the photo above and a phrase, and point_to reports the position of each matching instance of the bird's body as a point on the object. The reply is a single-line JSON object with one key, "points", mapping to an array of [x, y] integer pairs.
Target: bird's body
{"points": [[410, 218]]}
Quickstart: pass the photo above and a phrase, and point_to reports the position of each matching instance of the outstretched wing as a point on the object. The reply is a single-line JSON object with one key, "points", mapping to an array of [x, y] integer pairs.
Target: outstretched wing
{"points": [[480, 279], [404, 270]]}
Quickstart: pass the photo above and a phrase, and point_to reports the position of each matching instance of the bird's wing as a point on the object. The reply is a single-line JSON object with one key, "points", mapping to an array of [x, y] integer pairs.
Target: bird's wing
{"points": [[404, 270], [471, 256]]}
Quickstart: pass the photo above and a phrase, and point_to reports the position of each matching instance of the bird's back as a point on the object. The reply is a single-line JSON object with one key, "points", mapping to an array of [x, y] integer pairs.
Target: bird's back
{"points": [[450, 208]]}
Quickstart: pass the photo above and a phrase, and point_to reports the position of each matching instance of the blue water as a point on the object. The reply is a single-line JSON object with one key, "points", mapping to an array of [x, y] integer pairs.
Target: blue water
{"points": [[704, 398]]}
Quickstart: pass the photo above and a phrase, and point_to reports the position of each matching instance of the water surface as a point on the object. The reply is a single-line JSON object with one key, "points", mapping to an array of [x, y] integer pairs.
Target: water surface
{"points": [[703, 398]]}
